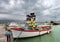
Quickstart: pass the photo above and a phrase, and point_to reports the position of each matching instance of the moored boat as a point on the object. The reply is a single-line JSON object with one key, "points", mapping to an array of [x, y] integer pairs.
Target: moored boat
{"points": [[21, 33], [32, 28]]}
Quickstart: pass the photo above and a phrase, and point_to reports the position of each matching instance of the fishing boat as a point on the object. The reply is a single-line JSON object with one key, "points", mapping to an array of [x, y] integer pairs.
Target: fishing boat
{"points": [[21, 33]]}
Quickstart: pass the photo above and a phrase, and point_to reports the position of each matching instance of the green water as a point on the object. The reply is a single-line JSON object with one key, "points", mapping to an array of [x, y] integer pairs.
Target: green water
{"points": [[54, 36]]}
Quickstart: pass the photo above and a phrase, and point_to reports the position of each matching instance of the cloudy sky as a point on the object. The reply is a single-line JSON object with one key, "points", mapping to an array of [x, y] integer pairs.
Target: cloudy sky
{"points": [[45, 10]]}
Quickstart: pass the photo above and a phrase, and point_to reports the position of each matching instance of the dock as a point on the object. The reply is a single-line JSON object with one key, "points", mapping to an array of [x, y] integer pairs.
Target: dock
{"points": [[2, 34]]}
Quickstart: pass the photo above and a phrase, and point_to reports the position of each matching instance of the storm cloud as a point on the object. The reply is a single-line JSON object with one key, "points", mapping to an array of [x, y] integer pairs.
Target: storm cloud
{"points": [[45, 10]]}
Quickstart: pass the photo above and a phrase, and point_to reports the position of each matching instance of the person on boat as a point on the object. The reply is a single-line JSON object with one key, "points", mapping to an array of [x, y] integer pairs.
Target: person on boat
{"points": [[29, 23], [33, 18]]}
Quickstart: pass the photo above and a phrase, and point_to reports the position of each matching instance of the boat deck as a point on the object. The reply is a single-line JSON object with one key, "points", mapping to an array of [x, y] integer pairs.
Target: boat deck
{"points": [[2, 36]]}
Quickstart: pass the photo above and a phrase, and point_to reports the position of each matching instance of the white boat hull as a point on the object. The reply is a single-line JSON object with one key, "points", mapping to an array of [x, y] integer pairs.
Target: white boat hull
{"points": [[28, 33]]}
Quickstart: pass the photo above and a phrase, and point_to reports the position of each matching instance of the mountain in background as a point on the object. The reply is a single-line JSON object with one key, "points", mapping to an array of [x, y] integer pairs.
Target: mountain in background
{"points": [[6, 20]]}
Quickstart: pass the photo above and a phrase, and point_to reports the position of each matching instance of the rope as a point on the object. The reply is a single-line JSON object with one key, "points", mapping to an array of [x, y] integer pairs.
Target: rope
{"points": [[19, 35]]}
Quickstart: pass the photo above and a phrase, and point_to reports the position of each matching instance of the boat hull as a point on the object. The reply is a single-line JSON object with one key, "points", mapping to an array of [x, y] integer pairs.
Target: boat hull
{"points": [[28, 33]]}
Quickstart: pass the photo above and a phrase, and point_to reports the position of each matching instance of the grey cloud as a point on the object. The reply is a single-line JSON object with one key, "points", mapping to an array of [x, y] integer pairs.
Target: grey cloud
{"points": [[20, 8]]}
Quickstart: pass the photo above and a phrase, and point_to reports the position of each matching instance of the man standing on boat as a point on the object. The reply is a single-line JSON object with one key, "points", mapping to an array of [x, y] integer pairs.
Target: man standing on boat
{"points": [[33, 18], [31, 21]]}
